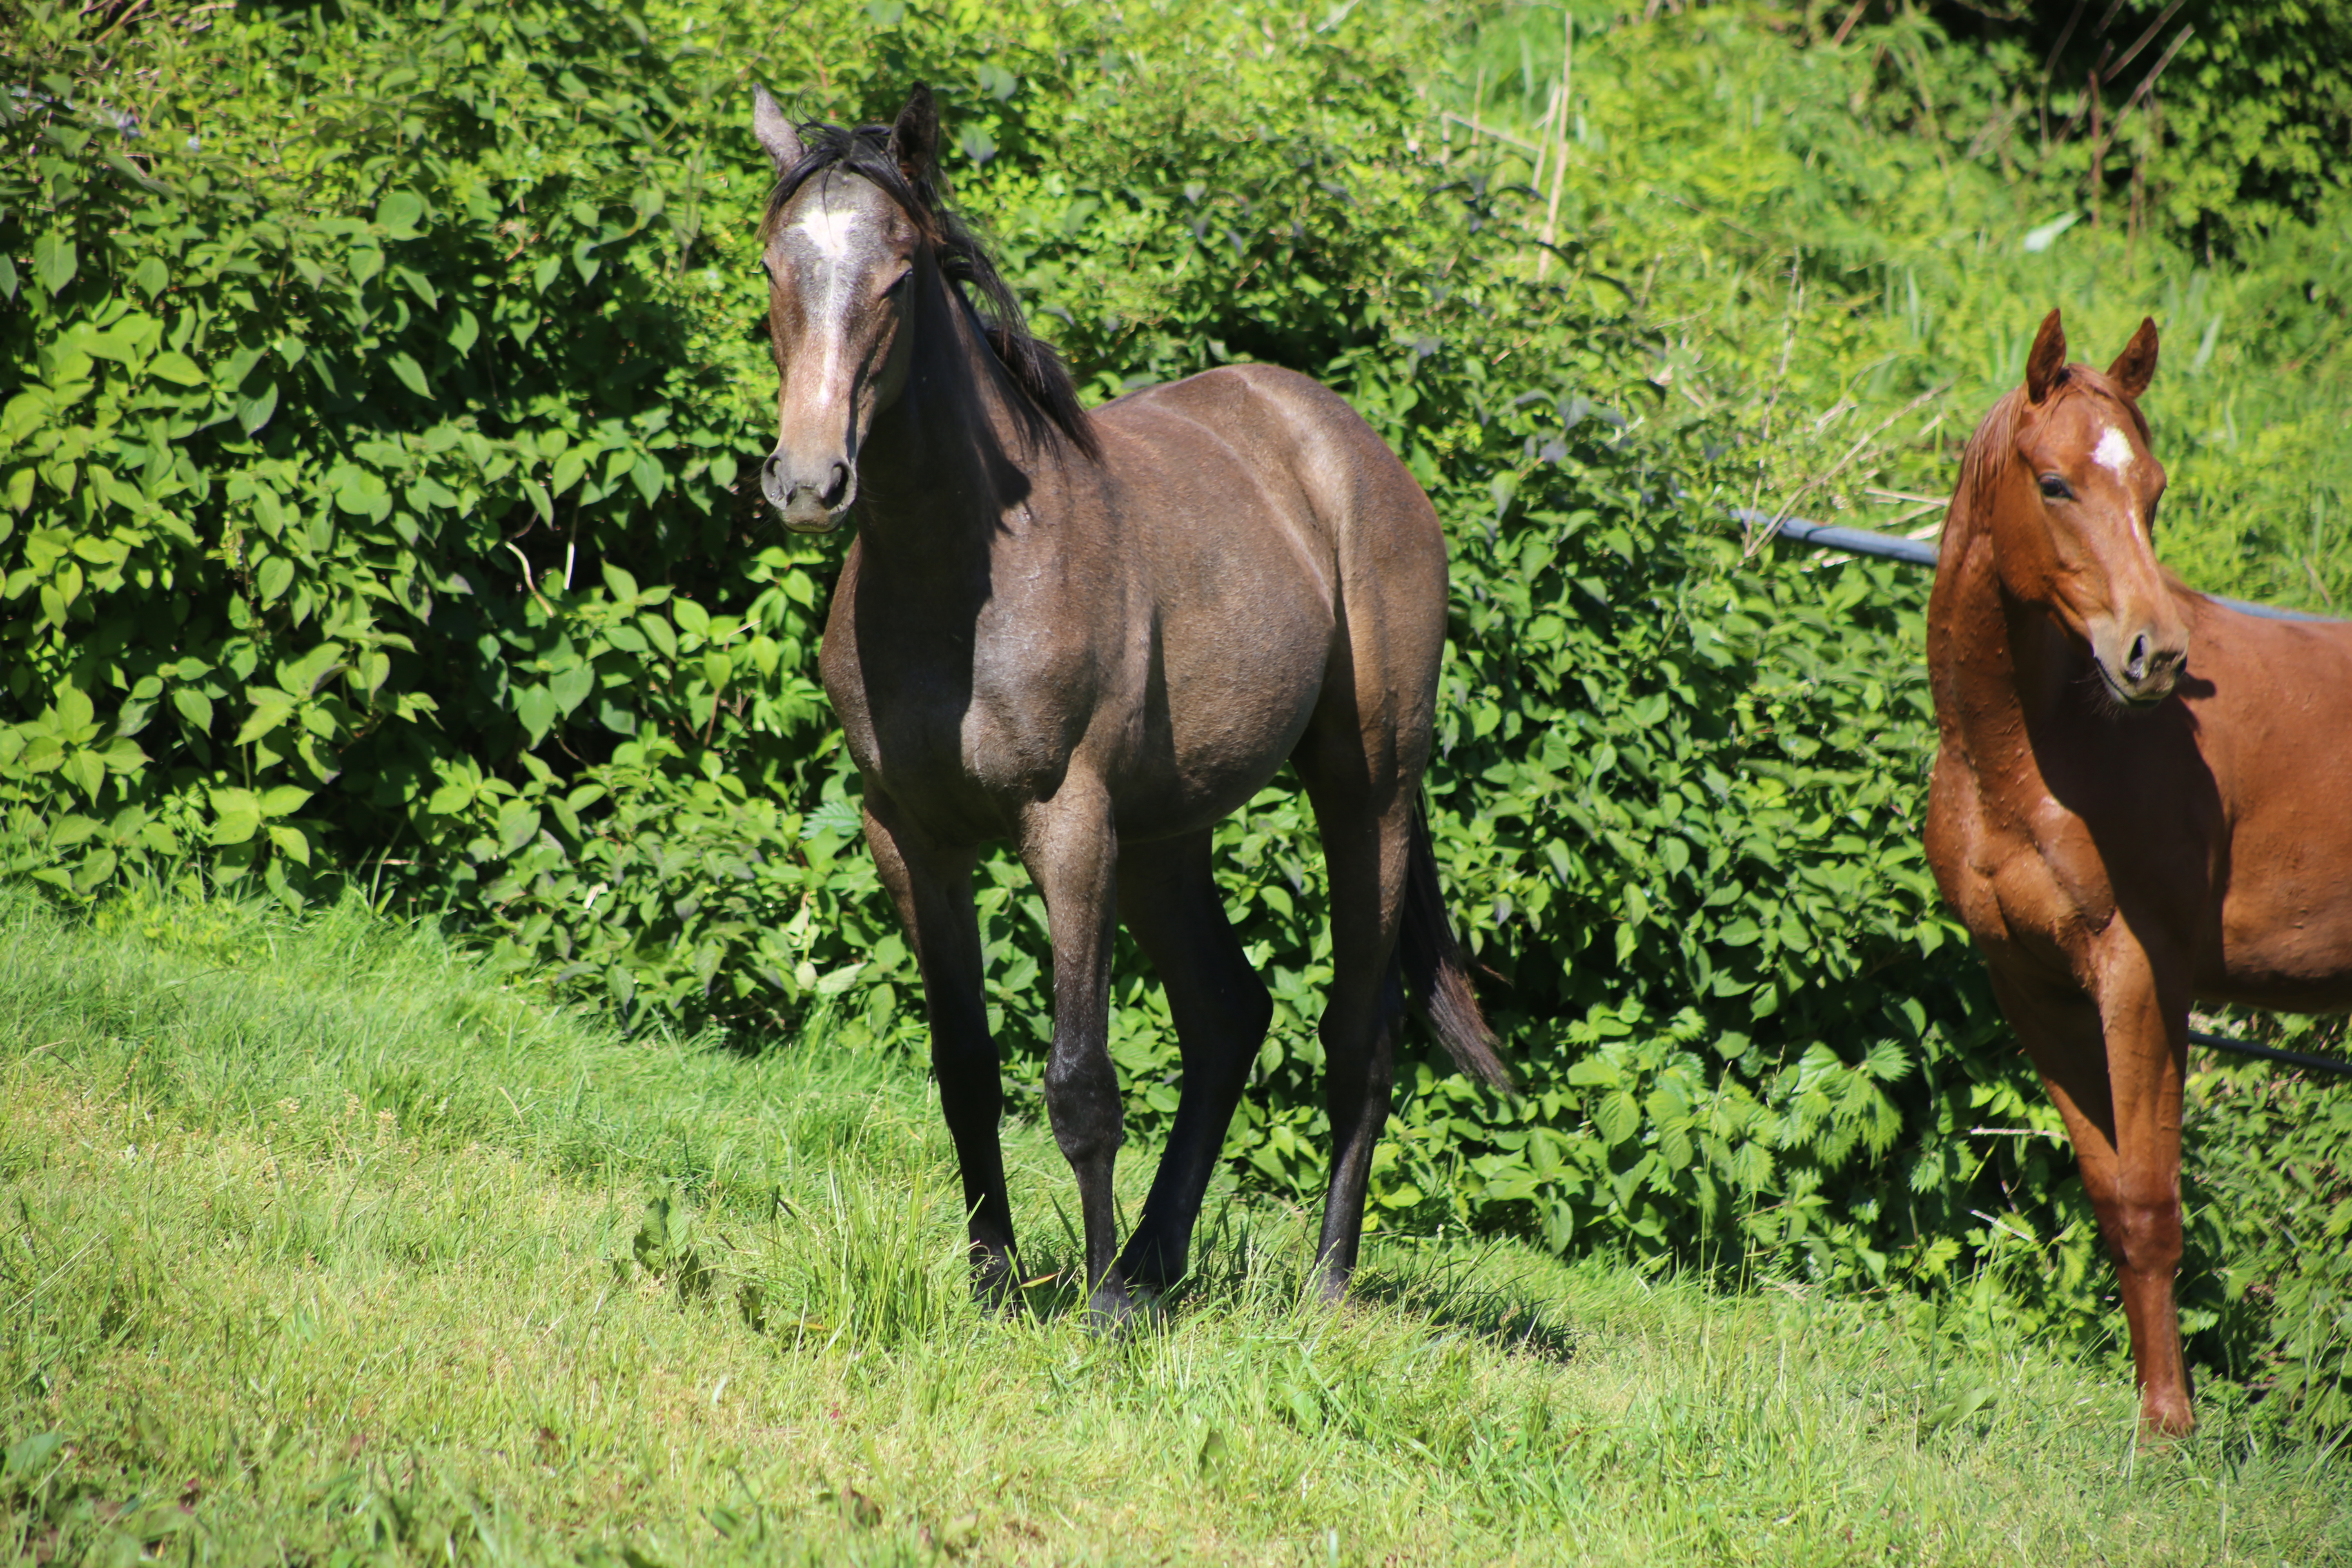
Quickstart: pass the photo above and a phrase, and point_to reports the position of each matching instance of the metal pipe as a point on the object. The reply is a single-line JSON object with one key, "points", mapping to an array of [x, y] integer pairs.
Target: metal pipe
{"points": [[1919, 552], [2271, 1053]]}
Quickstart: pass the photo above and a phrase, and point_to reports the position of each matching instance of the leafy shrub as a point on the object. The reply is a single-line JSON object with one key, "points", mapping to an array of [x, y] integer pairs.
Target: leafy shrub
{"points": [[380, 512]]}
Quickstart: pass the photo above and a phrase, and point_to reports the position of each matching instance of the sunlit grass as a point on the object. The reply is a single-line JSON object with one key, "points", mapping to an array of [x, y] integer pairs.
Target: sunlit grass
{"points": [[318, 1243]]}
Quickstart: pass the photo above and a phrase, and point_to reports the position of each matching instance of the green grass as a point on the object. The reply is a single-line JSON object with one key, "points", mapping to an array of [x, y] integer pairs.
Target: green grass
{"points": [[320, 1247]]}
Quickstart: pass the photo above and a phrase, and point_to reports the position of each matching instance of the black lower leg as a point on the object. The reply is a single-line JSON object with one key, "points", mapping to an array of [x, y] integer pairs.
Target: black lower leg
{"points": [[1359, 1067], [971, 1096]]}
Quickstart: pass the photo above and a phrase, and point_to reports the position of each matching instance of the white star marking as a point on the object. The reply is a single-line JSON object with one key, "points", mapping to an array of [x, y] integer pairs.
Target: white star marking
{"points": [[2114, 452]]}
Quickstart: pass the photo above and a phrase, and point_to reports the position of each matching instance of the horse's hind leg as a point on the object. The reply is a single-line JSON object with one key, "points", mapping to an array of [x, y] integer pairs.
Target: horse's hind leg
{"points": [[932, 890], [2114, 1071], [1365, 813], [1169, 899]]}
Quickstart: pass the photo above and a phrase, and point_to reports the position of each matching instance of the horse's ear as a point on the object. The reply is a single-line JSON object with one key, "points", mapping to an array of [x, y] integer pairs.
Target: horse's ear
{"points": [[2136, 366], [777, 138], [915, 138], [2047, 362]]}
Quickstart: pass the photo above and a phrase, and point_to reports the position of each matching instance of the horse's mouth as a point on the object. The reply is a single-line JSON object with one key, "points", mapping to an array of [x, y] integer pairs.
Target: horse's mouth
{"points": [[820, 523], [2135, 702]]}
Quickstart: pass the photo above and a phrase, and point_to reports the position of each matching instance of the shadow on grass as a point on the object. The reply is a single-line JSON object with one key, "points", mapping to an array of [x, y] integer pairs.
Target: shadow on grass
{"points": [[1255, 1260]]}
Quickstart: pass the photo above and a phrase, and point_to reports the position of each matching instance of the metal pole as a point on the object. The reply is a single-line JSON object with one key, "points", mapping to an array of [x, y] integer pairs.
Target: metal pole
{"points": [[1919, 552]]}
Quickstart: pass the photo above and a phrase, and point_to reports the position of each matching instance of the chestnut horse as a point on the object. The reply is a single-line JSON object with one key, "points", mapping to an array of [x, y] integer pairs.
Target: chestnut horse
{"points": [[2139, 798], [1096, 634]]}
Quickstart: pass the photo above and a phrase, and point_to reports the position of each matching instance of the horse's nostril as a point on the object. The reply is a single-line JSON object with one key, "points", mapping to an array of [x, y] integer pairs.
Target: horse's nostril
{"points": [[836, 484], [2135, 665]]}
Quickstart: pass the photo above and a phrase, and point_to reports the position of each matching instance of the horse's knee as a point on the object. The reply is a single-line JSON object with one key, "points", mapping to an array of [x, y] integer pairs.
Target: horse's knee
{"points": [[1082, 1104], [2143, 1231]]}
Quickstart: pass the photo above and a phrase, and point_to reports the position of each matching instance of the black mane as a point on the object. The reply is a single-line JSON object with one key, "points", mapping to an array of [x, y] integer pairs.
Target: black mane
{"points": [[1031, 362]]}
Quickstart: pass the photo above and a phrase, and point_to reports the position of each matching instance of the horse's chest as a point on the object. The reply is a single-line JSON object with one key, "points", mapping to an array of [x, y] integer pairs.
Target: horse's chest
{"points": [[960, 720], [2022, 873]]}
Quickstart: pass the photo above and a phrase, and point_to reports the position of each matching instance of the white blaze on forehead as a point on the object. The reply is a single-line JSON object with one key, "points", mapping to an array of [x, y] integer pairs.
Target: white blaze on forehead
{"points": [[2114, 452], [827, 230]]}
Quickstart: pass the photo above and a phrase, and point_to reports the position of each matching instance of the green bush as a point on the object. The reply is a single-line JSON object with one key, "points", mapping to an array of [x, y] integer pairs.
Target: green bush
{"points": [[380, 512]]}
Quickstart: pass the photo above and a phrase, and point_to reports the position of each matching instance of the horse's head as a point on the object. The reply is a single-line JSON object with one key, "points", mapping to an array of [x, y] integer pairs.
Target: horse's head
{"points": [[2074, 511], [846, 259]]}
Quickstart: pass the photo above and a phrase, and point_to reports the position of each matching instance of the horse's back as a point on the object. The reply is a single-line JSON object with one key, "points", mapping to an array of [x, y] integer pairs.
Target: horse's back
{"points": [[1281, 431]]}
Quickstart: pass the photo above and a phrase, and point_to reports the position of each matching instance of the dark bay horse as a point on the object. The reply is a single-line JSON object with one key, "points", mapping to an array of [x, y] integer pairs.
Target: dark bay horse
{"points": [[1095, 636], [2141, 798]]}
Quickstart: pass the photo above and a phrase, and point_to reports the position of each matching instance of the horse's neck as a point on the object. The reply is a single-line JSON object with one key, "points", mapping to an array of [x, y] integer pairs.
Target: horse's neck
{"points": [[946, 463], [2002, 669]]}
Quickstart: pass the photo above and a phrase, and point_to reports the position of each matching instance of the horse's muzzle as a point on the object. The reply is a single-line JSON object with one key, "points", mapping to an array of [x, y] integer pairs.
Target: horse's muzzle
{"points": [[809, 506], [2142, 670]]}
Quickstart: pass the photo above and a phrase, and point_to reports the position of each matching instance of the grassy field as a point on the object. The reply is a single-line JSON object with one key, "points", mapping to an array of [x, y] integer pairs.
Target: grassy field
{"points": [[320, 1247]]}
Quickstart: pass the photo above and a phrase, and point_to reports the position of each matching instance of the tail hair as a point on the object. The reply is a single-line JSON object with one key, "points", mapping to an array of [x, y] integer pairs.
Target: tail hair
{"points": [[1434, 975]]}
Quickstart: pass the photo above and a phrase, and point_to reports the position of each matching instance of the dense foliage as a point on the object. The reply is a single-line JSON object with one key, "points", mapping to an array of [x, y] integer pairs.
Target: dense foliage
{"points": [[379, 514]]}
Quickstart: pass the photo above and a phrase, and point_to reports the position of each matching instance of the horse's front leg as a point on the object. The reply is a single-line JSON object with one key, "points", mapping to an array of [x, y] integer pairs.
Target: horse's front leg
{"points": [[931, 887], [1072, 853], [2113, 1067], [2148, 1054]]}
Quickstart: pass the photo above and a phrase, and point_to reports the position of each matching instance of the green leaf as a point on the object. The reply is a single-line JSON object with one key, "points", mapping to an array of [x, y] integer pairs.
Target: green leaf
{"points": [[55, 260], [175, 366], [151, 276], [84, 770], [253, 412], [463, 331], [568, 469], [571, 687], [411, 373], [518, 825], [271, 709], [291, 842], [236, 816], [536, 707], [276, 575], [649, 478], [284, 800], [840, 980], [1617, 1116], [400, 211]]}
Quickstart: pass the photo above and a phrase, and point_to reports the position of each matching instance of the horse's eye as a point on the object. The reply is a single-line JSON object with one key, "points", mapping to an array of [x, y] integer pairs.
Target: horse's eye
{"points": [[2055, 488]]}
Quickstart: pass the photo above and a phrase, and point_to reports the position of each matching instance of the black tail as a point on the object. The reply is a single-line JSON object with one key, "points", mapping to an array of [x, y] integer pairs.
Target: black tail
{"points": [[1434, 975]]}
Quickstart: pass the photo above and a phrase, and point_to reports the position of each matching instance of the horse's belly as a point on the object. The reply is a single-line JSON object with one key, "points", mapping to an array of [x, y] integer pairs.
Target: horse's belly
{"points": [[2285, 943]]}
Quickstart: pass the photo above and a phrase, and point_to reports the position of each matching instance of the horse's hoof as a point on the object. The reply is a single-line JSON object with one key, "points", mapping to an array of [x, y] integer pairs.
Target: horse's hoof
{"points": [[997, 1288], [1111, 1310], [1146, 1270]]}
